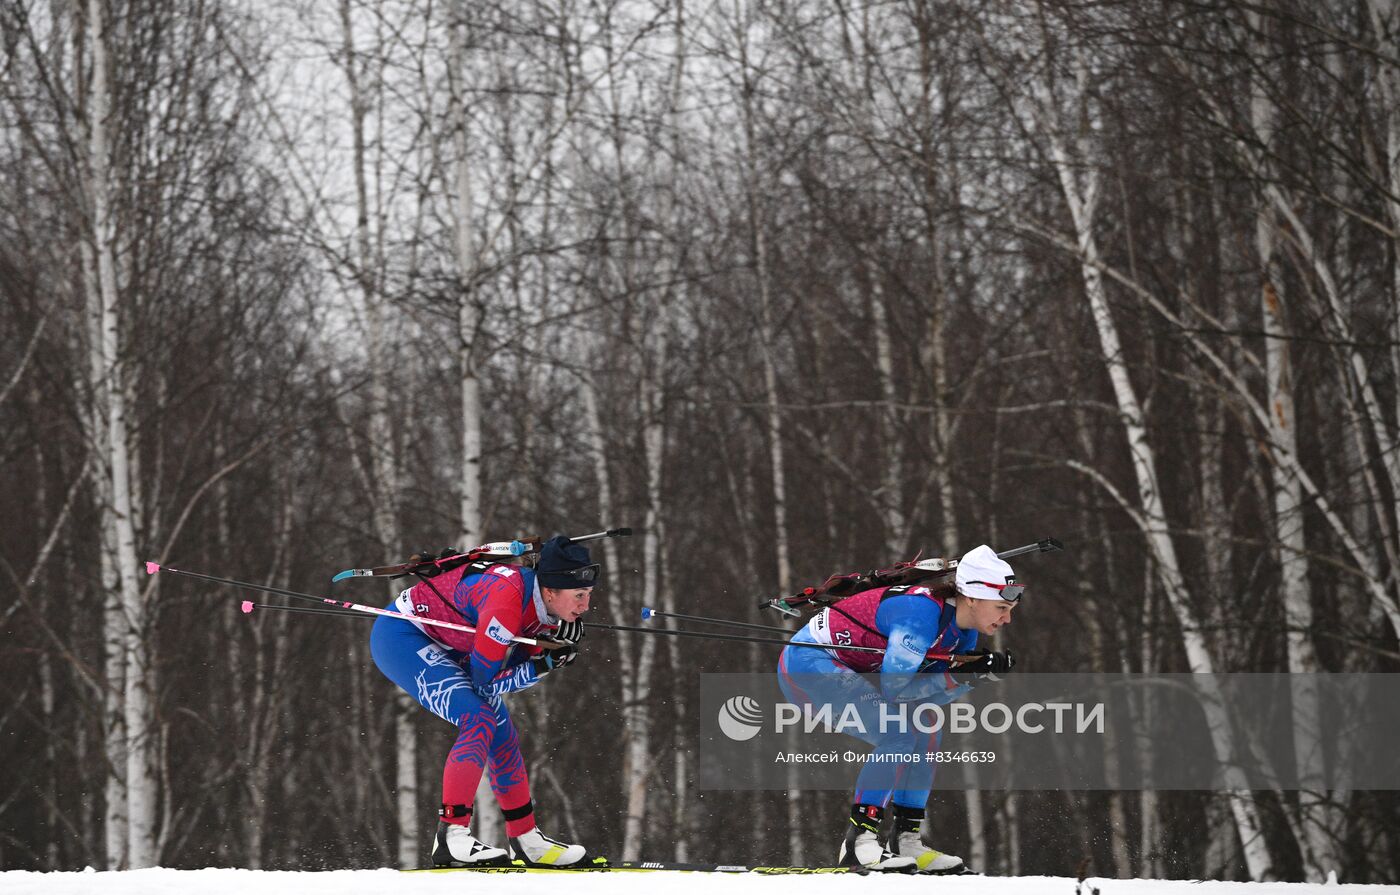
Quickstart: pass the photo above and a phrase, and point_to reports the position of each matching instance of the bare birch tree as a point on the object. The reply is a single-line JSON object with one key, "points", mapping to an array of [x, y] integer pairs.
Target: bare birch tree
{"points": [[1069, 137]]}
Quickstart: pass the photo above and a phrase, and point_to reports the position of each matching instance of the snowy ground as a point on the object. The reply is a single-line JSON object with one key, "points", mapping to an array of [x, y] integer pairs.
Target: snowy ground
{"points": [[356, 882]]}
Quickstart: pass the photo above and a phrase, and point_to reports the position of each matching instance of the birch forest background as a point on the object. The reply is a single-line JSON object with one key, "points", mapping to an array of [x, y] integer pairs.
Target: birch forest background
{"points": [[791, 287]]}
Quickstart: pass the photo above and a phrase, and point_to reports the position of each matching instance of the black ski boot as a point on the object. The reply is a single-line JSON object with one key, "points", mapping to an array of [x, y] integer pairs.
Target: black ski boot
{"points": [[862, 847], [455, 846]]}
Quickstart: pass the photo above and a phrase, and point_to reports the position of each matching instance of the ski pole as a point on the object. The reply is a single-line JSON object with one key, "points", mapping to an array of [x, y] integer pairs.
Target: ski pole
{"points": [[344, 606], [649, 613], [248, 606], [152, 568], [670, 632]]}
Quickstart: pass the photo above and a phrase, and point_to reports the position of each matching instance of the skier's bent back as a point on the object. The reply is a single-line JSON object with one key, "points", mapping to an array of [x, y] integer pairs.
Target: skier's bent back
{"points": [[463, 679]]}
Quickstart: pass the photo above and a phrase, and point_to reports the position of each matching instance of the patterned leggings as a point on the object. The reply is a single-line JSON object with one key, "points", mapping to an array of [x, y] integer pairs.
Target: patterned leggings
{"points": [[486, 737]]}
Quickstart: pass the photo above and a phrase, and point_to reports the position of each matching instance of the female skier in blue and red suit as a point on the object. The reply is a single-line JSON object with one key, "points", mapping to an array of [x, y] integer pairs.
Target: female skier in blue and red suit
{"points": [[463, 679], [910, 624]]}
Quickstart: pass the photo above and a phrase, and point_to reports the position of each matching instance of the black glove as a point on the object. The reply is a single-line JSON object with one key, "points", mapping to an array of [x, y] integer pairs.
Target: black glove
{"points": [[989, 662], [567, 632], [551, 660]]}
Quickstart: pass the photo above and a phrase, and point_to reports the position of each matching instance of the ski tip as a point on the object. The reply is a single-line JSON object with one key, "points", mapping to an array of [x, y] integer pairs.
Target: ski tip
{"points": [[341, 576], [647, 612], [152, 568], [247, 607]]}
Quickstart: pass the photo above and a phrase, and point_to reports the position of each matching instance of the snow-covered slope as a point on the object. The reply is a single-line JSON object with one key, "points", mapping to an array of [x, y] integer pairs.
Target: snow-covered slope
{"points": [[374, 882]]}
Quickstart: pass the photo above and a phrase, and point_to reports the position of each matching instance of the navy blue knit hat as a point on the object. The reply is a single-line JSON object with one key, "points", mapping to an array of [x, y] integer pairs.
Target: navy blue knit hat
{"points": [[566, 565]]}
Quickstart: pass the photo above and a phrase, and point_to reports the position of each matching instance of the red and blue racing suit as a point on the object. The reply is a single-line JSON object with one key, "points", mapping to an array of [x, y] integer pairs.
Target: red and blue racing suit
{"points": [[462, 678]]}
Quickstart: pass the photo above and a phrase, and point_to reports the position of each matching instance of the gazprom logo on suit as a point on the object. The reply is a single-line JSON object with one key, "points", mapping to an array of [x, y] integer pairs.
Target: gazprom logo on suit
{"points": [[499, 632], [432, 654]]}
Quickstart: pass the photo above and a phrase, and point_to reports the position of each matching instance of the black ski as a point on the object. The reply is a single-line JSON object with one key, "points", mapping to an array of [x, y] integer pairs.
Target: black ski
{"points": [[602, 865]]}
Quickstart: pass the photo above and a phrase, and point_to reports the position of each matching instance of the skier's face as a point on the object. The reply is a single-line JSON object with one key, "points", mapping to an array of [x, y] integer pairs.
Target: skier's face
{"points": [[567, 604], [986, 616]]}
